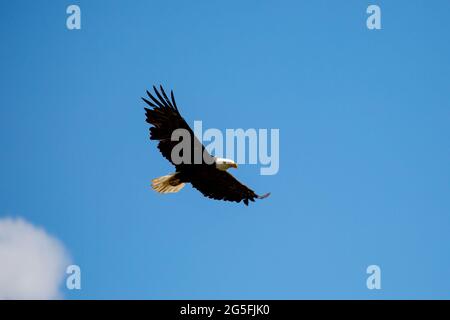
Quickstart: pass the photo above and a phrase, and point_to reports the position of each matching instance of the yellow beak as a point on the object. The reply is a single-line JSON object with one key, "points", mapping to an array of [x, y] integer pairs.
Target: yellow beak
{"points": [[234, 165]]}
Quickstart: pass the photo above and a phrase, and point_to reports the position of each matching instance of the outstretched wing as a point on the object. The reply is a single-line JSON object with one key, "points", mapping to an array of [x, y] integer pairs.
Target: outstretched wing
{"points": [[221, 185], [165, 119]]}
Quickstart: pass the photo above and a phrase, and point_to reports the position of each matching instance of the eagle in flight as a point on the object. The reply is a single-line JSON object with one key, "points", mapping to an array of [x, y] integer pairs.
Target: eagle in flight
{"points": [[209, 175]]}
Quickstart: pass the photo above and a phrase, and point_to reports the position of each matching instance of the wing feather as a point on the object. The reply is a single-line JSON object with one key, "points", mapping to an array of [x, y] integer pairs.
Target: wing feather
{"points": [[221, 185], [159, 104], [165, 119], [166, 98]]}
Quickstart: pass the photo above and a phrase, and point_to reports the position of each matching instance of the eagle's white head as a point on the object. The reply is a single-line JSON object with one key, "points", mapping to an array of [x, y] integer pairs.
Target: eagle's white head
{"points": [[224, 164]]}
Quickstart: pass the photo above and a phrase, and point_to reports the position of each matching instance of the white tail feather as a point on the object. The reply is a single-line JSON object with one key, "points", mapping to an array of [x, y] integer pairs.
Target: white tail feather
{"points": [[167, 184]]}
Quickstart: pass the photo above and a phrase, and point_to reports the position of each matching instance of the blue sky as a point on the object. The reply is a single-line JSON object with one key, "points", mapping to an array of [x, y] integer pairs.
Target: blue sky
{"points": [[364, 144]]}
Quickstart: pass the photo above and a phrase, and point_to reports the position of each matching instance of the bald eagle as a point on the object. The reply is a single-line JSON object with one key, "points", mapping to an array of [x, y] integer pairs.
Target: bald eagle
{"points": [[209, 176]]}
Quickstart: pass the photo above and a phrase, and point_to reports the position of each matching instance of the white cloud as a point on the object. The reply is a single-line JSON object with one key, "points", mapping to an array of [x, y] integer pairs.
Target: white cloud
{"points": [[32, 263]]}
